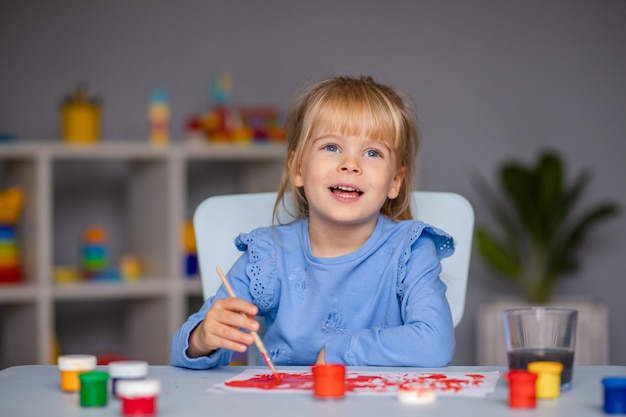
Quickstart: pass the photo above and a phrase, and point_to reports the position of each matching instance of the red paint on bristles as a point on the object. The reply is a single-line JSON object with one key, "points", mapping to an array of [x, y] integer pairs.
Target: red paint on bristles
{"points": [[270, 365], [255, 335]]}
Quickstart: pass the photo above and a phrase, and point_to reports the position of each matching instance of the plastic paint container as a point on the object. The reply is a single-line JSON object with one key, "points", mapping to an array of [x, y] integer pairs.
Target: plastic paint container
{"points": [[614, 395], [416, 394], [126, 370], [80, 121], [93, 389], [548, 378], [521, 389], [71, 366], [139, 397], [329, 381]]}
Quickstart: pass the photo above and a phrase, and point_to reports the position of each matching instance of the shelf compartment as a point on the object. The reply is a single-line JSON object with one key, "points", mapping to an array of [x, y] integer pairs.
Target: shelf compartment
{"points": [[18, 342], [127, 197], [128, 328]]}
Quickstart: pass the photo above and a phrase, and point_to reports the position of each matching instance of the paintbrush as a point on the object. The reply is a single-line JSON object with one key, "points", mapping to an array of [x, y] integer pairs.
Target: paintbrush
{"points": [[257, 340]]}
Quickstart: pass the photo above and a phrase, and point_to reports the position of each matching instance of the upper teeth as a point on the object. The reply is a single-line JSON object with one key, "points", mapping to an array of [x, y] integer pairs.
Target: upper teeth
{"points": [[344, 188]]}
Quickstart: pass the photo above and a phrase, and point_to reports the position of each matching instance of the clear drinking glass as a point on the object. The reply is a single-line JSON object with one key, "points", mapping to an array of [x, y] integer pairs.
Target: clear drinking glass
{"points": [[541, 334]]}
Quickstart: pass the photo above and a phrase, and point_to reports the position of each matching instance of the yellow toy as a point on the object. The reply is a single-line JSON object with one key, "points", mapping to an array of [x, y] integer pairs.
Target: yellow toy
{"points": [[80, 117], [130, 268], [11, 202], [66, 275]]}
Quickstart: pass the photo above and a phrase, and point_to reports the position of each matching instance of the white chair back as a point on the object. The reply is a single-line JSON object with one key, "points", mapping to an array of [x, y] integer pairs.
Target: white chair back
{"points": [[219, 219]]}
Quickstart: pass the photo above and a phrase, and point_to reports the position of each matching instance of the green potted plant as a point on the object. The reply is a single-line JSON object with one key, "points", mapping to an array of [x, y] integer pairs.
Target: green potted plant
{"points": [[539, 227]]}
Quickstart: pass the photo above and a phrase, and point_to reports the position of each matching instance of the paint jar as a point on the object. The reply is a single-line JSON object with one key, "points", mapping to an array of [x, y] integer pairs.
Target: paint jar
{"points": [[93, 389], [521, 389], [614, 395], [71, 366], [548, 384], [126, 370], [329, 381], [139, 397]]}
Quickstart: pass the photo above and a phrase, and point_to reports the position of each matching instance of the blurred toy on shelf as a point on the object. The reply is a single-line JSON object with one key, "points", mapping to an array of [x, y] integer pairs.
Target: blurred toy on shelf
{"points": [[104, 358], [159, 117], [236, 125], [66, 274], [95, 258], [225, 123], [130, 268], [81, 116], [10, 264], [264, 123], [11, 202], [95, 262], [189, 250], [222, 89]]}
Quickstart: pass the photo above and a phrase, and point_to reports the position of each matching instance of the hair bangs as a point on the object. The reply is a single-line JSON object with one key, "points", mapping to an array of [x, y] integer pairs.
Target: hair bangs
{"points": [[363, 114]]}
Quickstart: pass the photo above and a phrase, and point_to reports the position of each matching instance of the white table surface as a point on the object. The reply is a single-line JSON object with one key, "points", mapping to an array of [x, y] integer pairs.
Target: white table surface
{"points": [[34, 390]]}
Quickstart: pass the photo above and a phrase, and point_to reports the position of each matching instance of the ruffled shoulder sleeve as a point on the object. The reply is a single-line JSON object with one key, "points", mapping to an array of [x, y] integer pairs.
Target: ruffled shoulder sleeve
{"points": [[444, 243], [261, 268], [444, 247]]}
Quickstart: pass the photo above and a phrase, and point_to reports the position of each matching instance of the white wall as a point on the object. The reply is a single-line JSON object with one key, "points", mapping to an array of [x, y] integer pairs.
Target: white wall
{"points": [[492, 79]]}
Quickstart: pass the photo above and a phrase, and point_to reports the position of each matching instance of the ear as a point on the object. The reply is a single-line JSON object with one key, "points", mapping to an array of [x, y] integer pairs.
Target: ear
{"points": [[294, 173], [396, 183]]}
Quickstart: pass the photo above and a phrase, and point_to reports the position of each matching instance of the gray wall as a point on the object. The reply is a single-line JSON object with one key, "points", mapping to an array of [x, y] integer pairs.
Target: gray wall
{"points": [[492, 79]]}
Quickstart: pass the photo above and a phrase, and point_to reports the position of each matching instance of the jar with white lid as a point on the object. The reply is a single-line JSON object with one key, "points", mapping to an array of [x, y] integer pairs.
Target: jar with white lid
{"points": [[73, 365], [139, 397], [126, 370]]}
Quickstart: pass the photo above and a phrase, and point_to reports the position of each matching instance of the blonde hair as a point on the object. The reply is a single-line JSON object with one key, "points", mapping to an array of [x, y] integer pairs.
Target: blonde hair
{"points": [[349, 105]]}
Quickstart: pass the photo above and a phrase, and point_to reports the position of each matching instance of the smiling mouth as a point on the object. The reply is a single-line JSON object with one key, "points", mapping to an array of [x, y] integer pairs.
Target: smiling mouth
{"points": [[346, 190]]}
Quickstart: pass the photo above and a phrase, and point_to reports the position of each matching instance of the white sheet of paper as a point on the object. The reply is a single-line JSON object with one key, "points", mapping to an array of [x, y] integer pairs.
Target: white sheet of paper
{"points": [[463, 384]]}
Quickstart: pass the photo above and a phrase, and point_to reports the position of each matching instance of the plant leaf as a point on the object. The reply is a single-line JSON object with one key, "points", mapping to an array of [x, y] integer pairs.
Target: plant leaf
{"points": [[517, 182], [497, 255], [547, 188], [564, 257]]}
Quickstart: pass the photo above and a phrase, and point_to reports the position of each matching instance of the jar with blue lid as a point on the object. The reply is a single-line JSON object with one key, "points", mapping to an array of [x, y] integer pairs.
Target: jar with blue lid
{"points": [[614, 394]]}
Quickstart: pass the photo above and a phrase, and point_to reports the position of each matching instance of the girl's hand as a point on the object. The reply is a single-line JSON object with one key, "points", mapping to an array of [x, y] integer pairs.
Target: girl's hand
{"points": [[221, 328]]}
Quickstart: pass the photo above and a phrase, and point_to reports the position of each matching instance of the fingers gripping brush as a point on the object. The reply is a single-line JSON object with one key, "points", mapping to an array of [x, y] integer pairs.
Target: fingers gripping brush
{"points": [[257, 340]]}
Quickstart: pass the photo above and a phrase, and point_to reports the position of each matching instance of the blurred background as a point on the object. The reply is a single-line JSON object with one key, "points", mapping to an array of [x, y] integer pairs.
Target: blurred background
{"points": [[492, 80]]}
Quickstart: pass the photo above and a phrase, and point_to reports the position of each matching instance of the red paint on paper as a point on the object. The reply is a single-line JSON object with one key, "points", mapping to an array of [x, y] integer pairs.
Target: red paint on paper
{"points": [[356, 382], [287, 381]]}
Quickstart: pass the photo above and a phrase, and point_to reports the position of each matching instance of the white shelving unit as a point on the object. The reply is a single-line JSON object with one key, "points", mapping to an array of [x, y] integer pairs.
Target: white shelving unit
{"points": [[142, 194]]}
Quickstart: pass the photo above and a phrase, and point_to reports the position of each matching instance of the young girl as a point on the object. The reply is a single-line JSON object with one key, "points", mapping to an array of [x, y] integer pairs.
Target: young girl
{"points": [[354, 279]]}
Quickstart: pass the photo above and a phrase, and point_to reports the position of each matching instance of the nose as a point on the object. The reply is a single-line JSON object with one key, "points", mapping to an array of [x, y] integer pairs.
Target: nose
{"points": [[349, 164]]}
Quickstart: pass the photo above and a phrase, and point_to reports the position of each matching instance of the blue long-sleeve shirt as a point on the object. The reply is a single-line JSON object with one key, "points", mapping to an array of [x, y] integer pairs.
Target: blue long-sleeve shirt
{"points": [[382, 305]]}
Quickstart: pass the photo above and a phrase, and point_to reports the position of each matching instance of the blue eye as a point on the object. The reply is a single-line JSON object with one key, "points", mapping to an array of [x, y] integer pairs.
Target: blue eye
{"points": [[331, 148], [373, 153]]}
